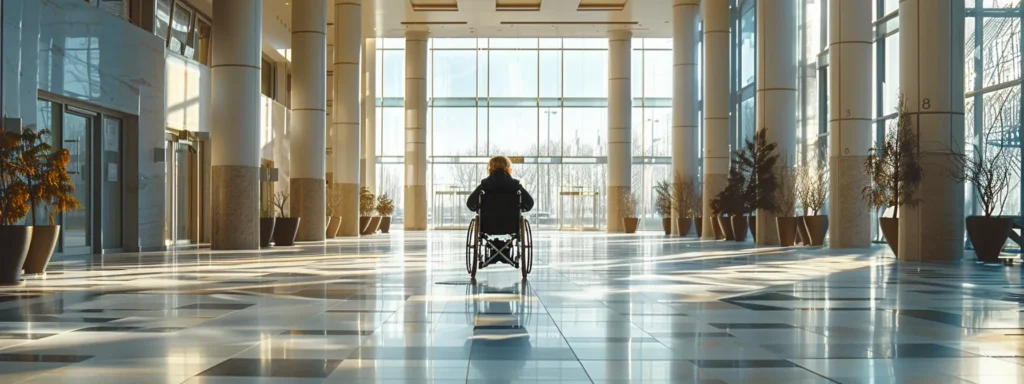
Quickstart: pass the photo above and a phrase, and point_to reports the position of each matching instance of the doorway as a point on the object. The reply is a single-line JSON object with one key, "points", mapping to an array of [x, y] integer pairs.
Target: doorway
{"points": [[184, 209]]}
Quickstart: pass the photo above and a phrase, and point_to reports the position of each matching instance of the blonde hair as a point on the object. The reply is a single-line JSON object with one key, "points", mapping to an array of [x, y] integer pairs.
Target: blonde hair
{"points": [[498, 162]]}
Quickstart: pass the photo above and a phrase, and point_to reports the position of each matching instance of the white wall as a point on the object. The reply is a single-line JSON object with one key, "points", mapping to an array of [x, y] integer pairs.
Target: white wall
{"points": [[74, 50]]}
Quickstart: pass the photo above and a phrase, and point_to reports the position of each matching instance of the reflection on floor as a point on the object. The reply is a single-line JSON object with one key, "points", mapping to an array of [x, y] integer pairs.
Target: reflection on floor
{"points": [[597, 308]]}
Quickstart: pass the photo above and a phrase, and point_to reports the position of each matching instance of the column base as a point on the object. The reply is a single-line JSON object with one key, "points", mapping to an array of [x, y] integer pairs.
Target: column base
{"points": [[236, 207], [849, 215], [614, 218], [713, 184], [415, 208], [348, 208], [308, 202], [934, 230]]}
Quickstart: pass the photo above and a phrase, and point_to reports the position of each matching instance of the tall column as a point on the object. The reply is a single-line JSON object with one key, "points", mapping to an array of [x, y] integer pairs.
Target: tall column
{"points": [[716, 105], [369, 153], [236, 119], [347, 42], [331, 134], [309, 118], [849, 121], [776, 92], [620, 112], [685, 149], [416, 130], [932, 80]]}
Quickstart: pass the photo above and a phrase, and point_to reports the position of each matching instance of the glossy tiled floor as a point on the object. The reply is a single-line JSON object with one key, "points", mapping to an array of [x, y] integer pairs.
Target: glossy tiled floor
{"points": [[597, 308]]}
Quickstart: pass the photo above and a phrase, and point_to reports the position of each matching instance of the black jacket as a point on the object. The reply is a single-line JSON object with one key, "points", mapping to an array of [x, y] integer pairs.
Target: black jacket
{"points": [[499, 182]]}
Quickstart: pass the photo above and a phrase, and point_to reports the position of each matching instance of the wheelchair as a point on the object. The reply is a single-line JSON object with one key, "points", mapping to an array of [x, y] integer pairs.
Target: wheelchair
{"points": [[499, 233]]}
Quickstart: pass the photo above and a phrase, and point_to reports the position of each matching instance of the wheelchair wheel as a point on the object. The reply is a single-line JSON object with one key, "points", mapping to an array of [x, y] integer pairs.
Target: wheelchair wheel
{"points": [[472, 248], [525, 248]]}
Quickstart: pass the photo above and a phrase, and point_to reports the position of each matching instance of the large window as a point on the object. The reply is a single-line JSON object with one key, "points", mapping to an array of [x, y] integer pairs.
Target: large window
{"points": [[186, 30], [541, 101]]}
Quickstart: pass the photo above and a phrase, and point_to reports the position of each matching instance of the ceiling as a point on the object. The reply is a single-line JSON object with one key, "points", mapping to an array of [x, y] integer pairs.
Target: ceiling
{"points": [[488, 18]]}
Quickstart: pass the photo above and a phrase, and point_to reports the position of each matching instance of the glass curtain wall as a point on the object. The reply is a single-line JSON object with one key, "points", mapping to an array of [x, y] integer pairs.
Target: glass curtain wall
{"points": [[542, 102]]}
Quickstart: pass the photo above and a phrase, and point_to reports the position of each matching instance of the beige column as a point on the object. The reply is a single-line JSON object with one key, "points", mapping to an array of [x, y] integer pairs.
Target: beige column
{"points": [[850, 113], [716, 105], [235, 114], [685, 146], [309, 118], [620, 112], [369, 153], [932, 79], [416, 130], [776, 92], [329, 159], [347, 39]]}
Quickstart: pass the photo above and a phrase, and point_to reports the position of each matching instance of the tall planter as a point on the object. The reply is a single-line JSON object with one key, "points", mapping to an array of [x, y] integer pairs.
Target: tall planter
{"points": [[787, 227], [725, 223], [666, 224], [630, 224], [285, 229], [334, 226], [716, 228], [385, 224], [374, 224], [988, 235], [817, 227], [891, 231], [369, 225], [266, 231], [698, 224], [16, 240], [683, 224], [752, 223], [328, 233], [44, 241], [802, 236], [739, 228]]}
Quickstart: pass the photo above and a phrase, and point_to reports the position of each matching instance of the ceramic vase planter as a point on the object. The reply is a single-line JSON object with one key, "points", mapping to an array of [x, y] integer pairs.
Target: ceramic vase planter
{"points": [[683, 224], [16, 240], [630, 224], [817, 227], [988, 236], [266, 231], [44, 241], [725, 223], [666, 224], [385, 224], [698, 224], [285, 230], [334, 226], [891, 231], [802, 236], [739, 228], [787, 227]]}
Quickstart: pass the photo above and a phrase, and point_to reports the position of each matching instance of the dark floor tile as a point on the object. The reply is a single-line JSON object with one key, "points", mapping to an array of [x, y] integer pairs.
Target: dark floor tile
{"points": [[822, 351], [92, 311], [331, 294], [99, 319], [688, 335], [159, 330], [936, 316], [300, 368], [108, 329], [743, 363], [222, 306], [916, 350], [767, 296], [755, 307], [751, 326], [33, 358], [523, 353], [410, 353], [327, 332], [24, 336]]}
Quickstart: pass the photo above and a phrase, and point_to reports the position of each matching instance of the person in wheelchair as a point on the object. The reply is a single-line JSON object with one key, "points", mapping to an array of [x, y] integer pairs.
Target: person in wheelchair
{"points": [[500, 181]]}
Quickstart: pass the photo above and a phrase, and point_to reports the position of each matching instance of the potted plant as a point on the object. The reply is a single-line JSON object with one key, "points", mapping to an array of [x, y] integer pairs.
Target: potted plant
{"points": [[385, 208], [728, 205], [285, 228], [334, 205], [757, 160], [992, 172], [785, 201], [367, 206], [267, 222], [14, 205], [49, 187], [816, 186], [627, 211], [664, 206], [686, 203], [697, 207], [895, 172]]}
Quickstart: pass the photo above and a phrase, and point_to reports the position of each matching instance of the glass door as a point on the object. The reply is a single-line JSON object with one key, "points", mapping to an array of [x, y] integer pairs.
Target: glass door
{"points": [[76, 138], [182, 193]]}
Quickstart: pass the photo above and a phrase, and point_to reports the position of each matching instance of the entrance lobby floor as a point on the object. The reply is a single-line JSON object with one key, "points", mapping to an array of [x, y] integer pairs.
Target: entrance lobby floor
{"points": [[598, 308]]}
